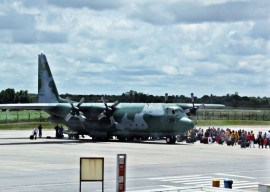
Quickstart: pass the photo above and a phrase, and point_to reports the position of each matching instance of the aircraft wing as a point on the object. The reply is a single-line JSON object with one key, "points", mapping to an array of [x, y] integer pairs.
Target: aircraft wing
{"points": [[29, 106], [213, 106], [201, 106]]}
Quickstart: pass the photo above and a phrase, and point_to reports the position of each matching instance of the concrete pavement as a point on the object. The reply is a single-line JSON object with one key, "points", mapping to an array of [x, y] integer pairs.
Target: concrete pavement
{"points": [[53, 164]]}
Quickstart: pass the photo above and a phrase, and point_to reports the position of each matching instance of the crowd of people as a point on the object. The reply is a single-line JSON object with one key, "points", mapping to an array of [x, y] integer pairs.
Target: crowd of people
{"points": [[230, 137], [208, 136]]}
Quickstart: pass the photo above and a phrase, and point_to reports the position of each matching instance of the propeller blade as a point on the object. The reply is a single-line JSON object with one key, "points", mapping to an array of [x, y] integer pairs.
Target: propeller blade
{"points": [[101, 116], [112, 120], [68, 117], [81, 102], [82, 118], [70, 102], [115, 104], [104, 101], [82, 115]]}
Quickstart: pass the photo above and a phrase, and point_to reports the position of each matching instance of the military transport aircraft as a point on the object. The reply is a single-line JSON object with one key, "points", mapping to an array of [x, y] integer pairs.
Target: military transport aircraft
{"points": [[101, 121]]}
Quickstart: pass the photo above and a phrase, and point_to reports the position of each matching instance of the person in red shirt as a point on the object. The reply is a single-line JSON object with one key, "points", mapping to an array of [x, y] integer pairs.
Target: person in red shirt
{"points": [[248, 138]]}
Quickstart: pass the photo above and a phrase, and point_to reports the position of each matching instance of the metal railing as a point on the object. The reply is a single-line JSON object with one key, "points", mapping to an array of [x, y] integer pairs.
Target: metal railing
{"points": [[258, 115]]}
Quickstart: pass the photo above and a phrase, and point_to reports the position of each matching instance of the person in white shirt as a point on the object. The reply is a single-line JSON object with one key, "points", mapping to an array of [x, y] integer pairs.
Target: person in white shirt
{"points": [[35, 132], [267, 136]]}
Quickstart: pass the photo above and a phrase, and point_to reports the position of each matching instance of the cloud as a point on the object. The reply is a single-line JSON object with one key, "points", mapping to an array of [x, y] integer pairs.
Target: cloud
{"points": [[152, 46], [231, 11], [19, 25], [93, 4], [173, 12], [31, 37], [261, 29], [14, 21]]}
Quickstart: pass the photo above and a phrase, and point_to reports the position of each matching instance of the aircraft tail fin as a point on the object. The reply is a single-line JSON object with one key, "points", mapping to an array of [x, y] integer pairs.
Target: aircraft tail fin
{"points": [[47, 91]]}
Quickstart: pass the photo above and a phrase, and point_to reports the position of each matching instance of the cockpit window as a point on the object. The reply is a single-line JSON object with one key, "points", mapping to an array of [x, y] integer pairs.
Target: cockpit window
{"points": [[174, 111]]}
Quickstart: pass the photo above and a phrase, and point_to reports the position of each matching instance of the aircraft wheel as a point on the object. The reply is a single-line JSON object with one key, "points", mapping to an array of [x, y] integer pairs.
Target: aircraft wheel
{"points": [[170, 139], [173, 139], [76, 136]]}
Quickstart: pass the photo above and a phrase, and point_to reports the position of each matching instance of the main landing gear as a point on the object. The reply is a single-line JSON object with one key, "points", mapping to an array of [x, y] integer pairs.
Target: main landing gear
{"points": [[171, 139]]}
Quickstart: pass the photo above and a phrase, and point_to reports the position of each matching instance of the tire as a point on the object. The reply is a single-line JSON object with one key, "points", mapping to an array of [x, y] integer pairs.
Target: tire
{"points": [[171, 139]]}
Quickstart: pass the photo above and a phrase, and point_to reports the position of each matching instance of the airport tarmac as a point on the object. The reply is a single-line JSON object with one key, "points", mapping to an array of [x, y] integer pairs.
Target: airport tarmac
{"points": [[54, 164]]}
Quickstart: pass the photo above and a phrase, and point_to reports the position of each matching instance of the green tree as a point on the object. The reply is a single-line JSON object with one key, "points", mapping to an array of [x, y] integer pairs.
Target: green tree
{"points": [[7, 96], [22, 97]]}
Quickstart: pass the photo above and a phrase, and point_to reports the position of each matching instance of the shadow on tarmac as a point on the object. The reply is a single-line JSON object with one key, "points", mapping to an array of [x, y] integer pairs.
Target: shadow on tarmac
{"points": [[66, 141], [34, 142]]}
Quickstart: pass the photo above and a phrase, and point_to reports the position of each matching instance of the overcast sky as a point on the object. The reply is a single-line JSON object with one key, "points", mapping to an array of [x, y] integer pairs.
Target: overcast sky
{"points": [[150, 46]]}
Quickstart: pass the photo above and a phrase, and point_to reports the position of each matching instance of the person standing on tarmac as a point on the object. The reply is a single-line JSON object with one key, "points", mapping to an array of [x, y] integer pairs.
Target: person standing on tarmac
{"points": [[233, 136], [57, 131], [40, 131], [243, 140], [35, 132], [267, 137], [252, 139], [260, 139]]}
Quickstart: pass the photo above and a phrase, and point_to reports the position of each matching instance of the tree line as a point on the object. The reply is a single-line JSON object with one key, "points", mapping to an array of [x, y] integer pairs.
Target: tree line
{"points": [[10, 96], [231, 100]]}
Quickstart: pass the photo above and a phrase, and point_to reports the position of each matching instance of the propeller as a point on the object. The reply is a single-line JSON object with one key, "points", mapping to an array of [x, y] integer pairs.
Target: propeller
{"points": [[193, 109], [108, 111], [75, 111]]}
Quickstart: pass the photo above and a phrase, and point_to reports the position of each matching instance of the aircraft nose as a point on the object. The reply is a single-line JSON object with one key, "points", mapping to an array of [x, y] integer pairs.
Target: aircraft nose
{"points": [[186, 124]]}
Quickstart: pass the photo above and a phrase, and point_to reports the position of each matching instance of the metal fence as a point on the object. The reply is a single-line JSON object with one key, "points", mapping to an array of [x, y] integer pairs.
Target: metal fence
{"points": [[22, 116], [258, 115]]}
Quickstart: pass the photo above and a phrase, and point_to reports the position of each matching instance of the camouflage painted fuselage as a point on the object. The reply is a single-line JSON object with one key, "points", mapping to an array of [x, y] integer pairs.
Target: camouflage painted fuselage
{"points": [[132, 120]]}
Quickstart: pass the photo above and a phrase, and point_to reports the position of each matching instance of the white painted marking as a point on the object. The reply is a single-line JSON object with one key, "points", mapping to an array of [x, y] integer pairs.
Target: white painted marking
{"points": [[244, 184], [169, 187], [171, 177], [230, 175], [193, 180], [186, 179], [206, 182]]}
